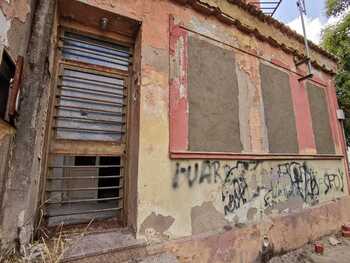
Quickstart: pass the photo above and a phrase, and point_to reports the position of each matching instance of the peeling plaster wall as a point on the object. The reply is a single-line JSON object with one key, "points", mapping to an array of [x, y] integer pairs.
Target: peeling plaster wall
{"points": [[179, 197], [15, 25], [248, 191], [15, 21], [20, 196], [6, 138]]}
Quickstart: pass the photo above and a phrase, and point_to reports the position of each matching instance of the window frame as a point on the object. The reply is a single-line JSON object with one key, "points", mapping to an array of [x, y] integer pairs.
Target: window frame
{"points": [[88, 147]]}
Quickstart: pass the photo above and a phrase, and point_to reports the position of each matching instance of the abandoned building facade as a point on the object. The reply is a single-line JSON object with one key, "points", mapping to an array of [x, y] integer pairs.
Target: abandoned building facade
{"points": [[180, 120]]}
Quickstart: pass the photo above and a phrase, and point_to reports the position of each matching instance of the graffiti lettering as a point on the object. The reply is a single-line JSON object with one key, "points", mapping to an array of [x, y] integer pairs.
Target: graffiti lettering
{"points": [[334, 182], [209, 173], [277, 184]]}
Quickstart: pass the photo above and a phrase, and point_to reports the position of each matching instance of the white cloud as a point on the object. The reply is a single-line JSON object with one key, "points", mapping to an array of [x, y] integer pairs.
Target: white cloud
{"points": [[314, 26]]}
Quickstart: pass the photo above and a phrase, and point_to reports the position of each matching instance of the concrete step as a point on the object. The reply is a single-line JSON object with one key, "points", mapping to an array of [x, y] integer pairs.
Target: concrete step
{"points": [[100, 246]]}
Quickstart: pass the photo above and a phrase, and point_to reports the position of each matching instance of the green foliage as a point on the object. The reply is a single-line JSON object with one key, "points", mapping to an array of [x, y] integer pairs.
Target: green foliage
{"points": [[336, 7], [336, 39]]}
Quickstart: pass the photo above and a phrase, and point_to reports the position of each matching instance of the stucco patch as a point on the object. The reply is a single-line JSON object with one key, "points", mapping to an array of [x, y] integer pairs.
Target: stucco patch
{"points": [[278, 109], [154, 226], [320, 119], [205, 218], [251, 213], [5, 26], [213, 109]]}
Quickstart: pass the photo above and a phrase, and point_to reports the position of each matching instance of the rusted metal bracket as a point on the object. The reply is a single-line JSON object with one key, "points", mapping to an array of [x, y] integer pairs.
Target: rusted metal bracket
{"points": [[268, 7], [308, 76]]}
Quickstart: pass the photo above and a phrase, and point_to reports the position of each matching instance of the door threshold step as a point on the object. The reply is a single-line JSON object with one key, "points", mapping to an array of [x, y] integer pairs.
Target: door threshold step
{"points": [[92, 245]]}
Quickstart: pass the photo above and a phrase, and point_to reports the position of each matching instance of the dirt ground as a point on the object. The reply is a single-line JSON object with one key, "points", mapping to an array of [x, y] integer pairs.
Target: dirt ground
{"points": [[339, 253]]}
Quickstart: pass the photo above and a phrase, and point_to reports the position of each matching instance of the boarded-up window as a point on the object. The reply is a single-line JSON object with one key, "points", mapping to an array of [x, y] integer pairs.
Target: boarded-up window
{"points": [[320, 120], [213, 98], [278, 108]]}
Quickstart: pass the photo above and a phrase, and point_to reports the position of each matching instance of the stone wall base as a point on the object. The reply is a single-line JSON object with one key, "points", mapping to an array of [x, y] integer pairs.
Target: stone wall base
{"points": [[244, 244]]}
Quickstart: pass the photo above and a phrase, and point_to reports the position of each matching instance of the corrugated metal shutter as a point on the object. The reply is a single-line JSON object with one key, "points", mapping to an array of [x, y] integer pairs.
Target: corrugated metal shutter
{"points": [[90, 104], [93, 51]]}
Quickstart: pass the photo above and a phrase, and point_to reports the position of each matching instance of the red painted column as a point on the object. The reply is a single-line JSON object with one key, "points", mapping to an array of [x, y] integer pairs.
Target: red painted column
{"points": [[332, 110], [303, 118], [178, 97]]}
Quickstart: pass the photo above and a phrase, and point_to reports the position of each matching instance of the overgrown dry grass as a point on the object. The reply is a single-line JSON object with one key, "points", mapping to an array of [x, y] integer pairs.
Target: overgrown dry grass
{"points": [[47, 249]]}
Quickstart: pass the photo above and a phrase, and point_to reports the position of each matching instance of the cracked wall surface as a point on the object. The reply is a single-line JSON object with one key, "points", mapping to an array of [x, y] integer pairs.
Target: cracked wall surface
{"points": [[19, 193], [15, 20]]}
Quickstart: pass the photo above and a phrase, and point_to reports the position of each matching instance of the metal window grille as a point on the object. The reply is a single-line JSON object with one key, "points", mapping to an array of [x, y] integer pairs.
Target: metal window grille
{"points": [[268, 7], [81, 188]]}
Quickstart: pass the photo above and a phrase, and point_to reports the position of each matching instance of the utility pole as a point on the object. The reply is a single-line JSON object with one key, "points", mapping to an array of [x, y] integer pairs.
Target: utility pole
{"points": [[302, 10]]}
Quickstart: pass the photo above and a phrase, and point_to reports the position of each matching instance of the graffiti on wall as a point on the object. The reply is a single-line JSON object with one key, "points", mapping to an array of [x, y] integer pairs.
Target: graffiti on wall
{"points": [[243, 181]]}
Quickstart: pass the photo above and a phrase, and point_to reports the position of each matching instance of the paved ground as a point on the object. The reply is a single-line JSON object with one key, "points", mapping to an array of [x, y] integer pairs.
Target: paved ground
{"points": [[162, 258], [339, 253]]}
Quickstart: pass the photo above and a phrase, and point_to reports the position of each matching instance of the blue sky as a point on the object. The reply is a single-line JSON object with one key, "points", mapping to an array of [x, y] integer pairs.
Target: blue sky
{"points": [[288, 10], [316, 19]]}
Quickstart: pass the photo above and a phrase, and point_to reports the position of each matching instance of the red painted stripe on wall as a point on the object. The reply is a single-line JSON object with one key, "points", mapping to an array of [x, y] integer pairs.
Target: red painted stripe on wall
{"points": [[303, 119], [178, 88]]}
